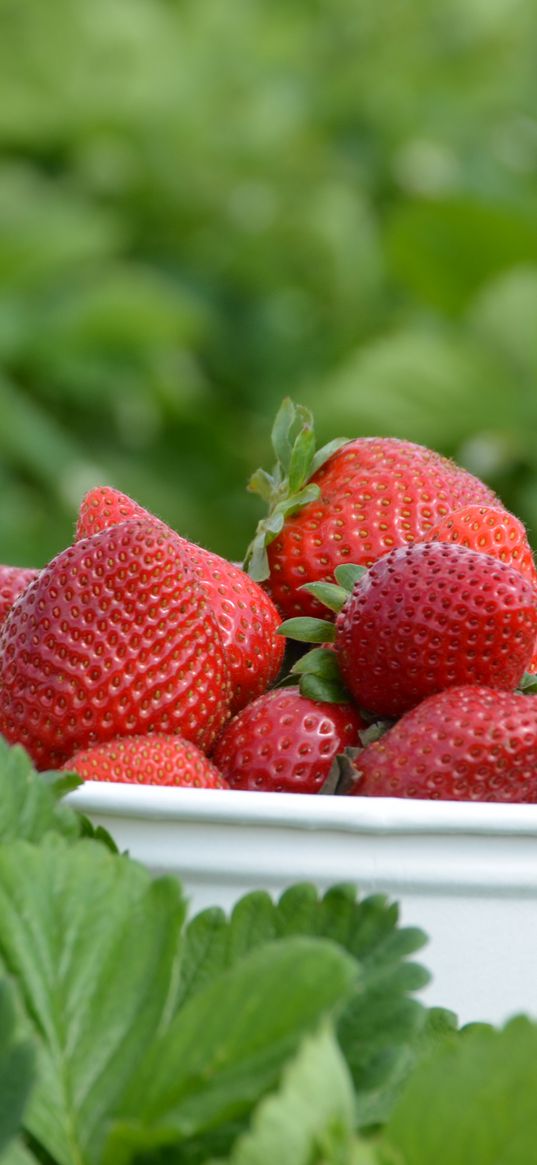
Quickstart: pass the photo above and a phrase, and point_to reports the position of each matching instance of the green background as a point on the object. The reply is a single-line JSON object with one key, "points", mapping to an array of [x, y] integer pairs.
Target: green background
{"points": [[206, 205]]}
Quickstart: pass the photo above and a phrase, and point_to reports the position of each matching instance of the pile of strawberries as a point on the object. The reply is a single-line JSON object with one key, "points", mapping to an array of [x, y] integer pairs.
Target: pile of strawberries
{"points": [[136, 655]]}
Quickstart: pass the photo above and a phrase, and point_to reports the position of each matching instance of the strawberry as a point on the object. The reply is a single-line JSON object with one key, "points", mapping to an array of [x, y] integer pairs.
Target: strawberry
{"points": [[468, 743], [246, 616], [147, 760], [285, 743], [113, 638], [13, 581], [351, 501], [488, 530], [433, 616]]}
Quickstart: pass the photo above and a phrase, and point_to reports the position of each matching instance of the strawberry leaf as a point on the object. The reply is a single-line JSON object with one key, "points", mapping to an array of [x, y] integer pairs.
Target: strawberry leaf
{"points": [[381, 1027], [92, 943], [229, 1043], [16, 1072], [29, 800], [311, 1115], [473, 1099], [307, 630]]}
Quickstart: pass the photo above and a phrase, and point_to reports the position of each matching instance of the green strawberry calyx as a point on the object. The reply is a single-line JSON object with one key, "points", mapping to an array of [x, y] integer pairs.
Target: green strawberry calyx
{"points": [[344, 774], [288, 488], [318, 670]]}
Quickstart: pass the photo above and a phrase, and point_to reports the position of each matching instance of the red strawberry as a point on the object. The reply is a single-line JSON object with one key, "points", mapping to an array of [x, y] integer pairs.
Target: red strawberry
{"points": [[113, 638], [464, 744], [490, 531], [246, 616], [370, 496], [13, 581], [283, 742], [147, 760], [433, 616]]}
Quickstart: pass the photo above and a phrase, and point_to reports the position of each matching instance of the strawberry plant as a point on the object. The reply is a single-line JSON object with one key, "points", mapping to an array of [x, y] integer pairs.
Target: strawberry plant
{"points": [[288, 1030]]}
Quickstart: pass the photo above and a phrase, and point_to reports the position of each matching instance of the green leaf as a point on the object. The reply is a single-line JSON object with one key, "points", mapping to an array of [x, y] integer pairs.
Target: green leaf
{"points": [[348, 574], [473, 1100], [328, 594], [308, 630], [16, 1072], [92, 944], [230, 1041], [381, 1023], [310, 1117], [29, 800], [18, 1154]]}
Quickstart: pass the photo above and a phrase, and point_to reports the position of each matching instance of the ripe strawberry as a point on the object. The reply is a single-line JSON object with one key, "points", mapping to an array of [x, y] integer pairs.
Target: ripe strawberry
{"points": [[13, 581], [246, 616], [147, 760], [285, 743], [433, 616], [113, 638], [490, 531], [465, 744], [355, 504]]}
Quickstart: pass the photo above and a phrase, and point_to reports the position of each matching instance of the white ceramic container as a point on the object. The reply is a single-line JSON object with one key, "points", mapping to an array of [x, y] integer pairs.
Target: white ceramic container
{"points": [[465, 873]]}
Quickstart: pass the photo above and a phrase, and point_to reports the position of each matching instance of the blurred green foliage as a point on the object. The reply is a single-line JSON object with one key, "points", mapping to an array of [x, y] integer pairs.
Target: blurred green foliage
{"points": [[206, 205]]}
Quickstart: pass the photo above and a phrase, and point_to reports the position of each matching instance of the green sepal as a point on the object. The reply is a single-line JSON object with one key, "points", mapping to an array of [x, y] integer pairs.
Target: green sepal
{"points": [[326, 452], [528, 684], [347, 574], [288, 488], [375, 731], [320, 661], [343, 774], [320, 677], [261, 483], [308, 630], [323, 691], [281, 430], [328, 594], [301, 458]]}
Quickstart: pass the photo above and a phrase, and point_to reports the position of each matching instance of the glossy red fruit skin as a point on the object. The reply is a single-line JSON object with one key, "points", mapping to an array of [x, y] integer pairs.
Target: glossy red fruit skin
{"points": [[246, 616], [113, 638], [285, 743], [464, 744], [376, 494], [489, 530], [13, 581], [155, 759], [434, 616]]}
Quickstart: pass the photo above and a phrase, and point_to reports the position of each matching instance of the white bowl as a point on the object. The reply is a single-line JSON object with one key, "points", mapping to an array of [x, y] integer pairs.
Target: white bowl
{"points": [[465, 873]]}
